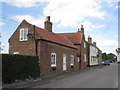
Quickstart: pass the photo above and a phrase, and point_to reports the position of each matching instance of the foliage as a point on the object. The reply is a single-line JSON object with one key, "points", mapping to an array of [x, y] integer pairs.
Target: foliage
{"points": [[19, 67], [110, 57], [104, 56]]}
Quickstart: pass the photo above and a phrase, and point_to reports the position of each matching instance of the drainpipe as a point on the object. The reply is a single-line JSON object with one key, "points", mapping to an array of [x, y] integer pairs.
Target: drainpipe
{"points": [[36, 43], [36, 46]]}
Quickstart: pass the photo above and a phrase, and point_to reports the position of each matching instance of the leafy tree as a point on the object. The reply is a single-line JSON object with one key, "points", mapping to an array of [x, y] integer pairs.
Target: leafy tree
{"points": [[111, 57], [104, 56]]}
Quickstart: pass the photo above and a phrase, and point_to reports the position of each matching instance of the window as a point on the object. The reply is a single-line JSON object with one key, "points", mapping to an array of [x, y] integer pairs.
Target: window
{"points": [[53, 59], [78, 59], [91, 59], [23, 34], [84, 45], [85, 58], [72, 60]]}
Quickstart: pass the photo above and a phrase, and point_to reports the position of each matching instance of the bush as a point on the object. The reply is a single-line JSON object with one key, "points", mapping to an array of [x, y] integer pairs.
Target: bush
{"points": [[19, 67]]}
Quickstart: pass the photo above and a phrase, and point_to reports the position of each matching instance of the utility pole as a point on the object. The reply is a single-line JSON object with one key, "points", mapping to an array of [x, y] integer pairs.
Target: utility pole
{"points": [[1, 45], [118, 54]]}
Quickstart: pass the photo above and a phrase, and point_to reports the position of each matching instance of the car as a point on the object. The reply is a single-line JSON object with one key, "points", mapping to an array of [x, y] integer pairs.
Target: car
{"points": [[102, 62], [106, 63]]}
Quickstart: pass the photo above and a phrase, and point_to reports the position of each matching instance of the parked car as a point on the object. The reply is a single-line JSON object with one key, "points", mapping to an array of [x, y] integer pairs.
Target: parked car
{"points": [[106, 63]]}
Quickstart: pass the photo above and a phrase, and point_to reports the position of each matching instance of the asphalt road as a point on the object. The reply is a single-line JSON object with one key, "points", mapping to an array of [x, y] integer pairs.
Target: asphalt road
{"points": [[94, 77]]}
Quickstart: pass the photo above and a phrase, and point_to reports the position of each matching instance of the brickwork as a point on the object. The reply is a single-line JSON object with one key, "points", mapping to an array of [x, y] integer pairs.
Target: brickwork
{"points": [[45, 58]]}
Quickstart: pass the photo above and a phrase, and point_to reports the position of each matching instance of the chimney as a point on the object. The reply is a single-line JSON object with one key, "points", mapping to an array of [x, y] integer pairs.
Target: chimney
{"points": [[48, 24], [78, 30], [89, 39], [94, 43], [82, 29]]}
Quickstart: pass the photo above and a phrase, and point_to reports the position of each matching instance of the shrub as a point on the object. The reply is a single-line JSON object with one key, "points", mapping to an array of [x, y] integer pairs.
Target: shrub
{"points": [[19, 67]]}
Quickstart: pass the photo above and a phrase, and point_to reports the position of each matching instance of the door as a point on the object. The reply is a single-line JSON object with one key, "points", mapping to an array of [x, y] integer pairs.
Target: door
{"points": [[64, 62]]}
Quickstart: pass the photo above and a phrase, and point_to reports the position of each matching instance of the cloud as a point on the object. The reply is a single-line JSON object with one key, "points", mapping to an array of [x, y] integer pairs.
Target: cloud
{"points": [[89, 26], [107, 0], [24, 3], [38, 21], [117, 6], [66, 13], [2, 23], [2, 44], [106, 45], [72, 12]]}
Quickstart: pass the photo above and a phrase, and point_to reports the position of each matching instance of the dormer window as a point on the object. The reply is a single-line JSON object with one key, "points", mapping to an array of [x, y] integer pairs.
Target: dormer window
{"points": [[23, 34]]}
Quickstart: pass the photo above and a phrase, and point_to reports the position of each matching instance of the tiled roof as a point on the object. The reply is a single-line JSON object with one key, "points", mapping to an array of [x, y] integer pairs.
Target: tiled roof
{"points": [[49, 36], [73, 37]]}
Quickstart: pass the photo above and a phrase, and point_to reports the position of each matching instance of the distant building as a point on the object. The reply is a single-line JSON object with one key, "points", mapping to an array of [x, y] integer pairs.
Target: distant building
{"points": [[94, 53]]}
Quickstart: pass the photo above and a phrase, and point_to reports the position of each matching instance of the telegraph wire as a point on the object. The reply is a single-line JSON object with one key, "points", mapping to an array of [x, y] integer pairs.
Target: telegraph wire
{"points": [[108, 26], [4, 18]]}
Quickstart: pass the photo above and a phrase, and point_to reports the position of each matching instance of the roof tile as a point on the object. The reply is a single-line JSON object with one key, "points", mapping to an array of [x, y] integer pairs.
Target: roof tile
{"points": [[75, 38], [49, 36]]}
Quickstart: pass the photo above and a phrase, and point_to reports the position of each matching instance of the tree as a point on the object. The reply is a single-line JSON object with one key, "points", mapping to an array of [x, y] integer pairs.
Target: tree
{"points": [[104, 56], [110, 57]]}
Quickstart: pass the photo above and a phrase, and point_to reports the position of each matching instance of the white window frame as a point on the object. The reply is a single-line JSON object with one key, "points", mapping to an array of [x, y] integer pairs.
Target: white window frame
{"points": [[53, 65], [23, 34], [85, 58], [84, 44], [78, 59], [71, 60]]}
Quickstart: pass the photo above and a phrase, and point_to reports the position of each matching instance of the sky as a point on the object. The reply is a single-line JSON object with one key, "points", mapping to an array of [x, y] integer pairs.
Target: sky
{"points": [[99, 18]]}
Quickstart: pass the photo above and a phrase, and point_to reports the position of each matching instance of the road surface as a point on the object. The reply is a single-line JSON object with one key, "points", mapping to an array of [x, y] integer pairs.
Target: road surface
{"points": [[94, 77]]}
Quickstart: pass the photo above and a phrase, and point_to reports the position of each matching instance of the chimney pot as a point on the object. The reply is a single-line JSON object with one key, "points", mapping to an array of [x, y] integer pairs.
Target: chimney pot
{"points": [[89, 39], [94, 43], [78, 30], [81, 26], [82, 29], [48, 18]]}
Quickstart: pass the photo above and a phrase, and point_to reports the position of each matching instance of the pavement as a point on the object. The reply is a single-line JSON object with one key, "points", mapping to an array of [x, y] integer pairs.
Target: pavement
{"points": [[91, 77]]}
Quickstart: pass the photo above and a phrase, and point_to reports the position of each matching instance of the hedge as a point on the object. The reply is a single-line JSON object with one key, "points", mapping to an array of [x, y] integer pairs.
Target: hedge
{"points": [[19, 67]]}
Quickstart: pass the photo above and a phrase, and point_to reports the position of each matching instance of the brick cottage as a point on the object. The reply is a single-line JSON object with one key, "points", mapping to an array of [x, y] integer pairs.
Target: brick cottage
{"points": [[57, 52]]}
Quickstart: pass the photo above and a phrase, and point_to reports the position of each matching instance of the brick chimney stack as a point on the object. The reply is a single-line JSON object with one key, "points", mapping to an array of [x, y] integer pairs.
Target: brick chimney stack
{"points": [[94, 43], [89, 39], [48, 24]]}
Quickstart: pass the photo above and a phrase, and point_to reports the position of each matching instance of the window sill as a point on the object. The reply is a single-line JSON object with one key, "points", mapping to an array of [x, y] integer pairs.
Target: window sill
{"points": [[53, 65], [22, 40], [72, 64]]}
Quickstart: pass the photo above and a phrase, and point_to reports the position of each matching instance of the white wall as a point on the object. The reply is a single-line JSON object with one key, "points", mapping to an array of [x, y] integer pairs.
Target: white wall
{"points": [[93, 52]]}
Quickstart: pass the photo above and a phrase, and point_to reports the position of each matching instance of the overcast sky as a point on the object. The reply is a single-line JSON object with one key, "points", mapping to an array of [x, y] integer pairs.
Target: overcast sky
{"points": [[99, 18]]}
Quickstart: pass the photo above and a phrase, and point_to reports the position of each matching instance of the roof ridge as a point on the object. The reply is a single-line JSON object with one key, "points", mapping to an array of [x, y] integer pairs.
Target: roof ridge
{"points": [[69, 33]]}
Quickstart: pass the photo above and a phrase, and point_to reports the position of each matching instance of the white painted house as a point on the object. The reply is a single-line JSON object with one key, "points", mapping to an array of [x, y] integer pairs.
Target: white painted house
{"points": [[95, 54]]}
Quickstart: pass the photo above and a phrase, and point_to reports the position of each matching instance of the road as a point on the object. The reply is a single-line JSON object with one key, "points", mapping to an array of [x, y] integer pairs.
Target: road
{"points": [[94, 77]]}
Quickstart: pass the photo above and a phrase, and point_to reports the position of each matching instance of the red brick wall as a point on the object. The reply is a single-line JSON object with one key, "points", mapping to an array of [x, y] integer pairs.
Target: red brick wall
{"points": [[45, 58], [23, 47], [83, 51]]}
